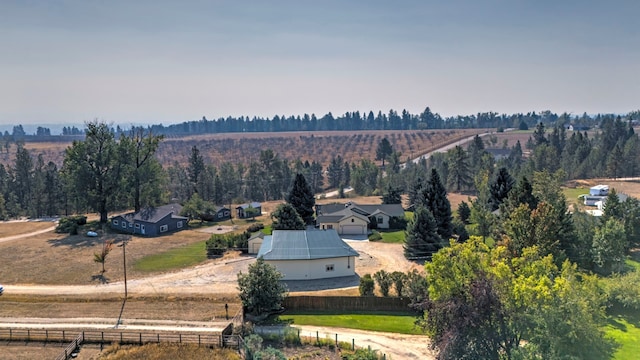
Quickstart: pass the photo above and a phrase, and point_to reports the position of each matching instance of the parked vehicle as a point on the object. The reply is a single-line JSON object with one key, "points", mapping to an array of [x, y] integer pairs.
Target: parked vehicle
{"points": [[1, 289]]}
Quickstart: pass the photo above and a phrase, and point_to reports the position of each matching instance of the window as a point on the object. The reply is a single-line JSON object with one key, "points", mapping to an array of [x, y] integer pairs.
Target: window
{"points": [[137, 226], [130, 224], [329, 226], [353, 220], [115, 222], [124, 224], [179, 224], [380, 220], [226, 213], [164, 228], [329, 267]]}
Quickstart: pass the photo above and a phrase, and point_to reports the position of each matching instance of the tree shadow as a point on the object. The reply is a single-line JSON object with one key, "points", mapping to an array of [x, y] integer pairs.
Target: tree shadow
{"points": [[323, 284], [100, 278], [83, 241]]}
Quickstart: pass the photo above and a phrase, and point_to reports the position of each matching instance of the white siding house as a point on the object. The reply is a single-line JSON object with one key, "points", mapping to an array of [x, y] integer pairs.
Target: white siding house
{"points": [[308, 254]]}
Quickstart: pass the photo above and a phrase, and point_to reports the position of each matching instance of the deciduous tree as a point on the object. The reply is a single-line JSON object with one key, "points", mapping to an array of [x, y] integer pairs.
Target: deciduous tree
{"points": [[260, 288]]}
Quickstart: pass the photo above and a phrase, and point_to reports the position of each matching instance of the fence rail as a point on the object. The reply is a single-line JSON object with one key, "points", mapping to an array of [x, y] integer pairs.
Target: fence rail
{"points": [[117, 336]]}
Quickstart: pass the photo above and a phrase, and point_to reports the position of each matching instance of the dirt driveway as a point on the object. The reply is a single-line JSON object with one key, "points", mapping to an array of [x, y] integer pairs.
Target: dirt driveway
{"points": [[220, 276]]}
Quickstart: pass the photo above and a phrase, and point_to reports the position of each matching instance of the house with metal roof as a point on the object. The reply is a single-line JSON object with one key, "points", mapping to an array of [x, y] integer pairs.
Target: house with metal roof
{"points": [[308, 254], [151, 221], [354, 219]]}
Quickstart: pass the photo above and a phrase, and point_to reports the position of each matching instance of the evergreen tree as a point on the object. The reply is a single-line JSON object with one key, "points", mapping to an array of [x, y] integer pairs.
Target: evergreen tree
{"points": [[609, 243], [94, 167], [392, 195], [384, 150], [302, 199], [421, 237], [464, 212], [437, 203], [196, 166], [285, 217], [500, 187], [459, 171], [522, 193]]}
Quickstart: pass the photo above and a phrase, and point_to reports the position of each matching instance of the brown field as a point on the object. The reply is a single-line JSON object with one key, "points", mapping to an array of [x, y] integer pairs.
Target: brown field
{"points": [[318, 146], [161, 307]]}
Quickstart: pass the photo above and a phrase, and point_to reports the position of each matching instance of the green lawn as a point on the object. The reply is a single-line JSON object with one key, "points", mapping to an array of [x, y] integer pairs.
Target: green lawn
{"points": [[392, 236], [572, 194], [177, 258], [625, 330], [402, 324], [267, 230]]}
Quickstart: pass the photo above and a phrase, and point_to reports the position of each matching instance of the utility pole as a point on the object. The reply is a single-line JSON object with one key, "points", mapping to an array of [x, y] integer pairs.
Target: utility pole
{"points": [[124, 258]]}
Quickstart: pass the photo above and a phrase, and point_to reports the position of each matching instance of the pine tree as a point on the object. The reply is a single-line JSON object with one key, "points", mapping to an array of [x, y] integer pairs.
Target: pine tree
{"points": [[285, 217], [302, 199], [500, 187], [421, 238], [384, 149], [459, 170], [522, 193], [435, 196]]}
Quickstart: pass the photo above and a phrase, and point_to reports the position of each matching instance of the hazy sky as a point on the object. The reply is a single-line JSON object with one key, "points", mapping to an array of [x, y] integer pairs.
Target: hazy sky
{"points": [[171, 61]]}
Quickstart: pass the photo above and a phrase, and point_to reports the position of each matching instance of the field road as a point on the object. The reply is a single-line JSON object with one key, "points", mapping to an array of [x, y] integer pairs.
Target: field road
{"points": [[394, 346], [20, 236]]}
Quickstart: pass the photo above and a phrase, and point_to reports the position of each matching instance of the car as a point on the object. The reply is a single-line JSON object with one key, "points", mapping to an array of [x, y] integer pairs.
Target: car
{"points": [[92, 234], [1, 289]]}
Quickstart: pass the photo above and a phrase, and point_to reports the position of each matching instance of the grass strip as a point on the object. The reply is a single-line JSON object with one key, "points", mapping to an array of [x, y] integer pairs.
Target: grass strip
{"points": [[395, 323], [177, 258]]}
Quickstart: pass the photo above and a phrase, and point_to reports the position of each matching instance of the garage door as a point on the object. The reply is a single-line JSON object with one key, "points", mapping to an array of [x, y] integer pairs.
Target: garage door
{"points": [[353, 230]]}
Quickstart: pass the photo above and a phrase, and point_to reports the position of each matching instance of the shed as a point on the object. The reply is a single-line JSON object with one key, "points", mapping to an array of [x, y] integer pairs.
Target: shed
{"points": [[599, 190], [308, 254], [255, 242]]}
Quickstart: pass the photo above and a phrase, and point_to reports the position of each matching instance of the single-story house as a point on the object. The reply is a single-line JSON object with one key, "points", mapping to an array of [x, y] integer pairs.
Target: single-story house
{"points": [[255, 242], [345, 222], [308, 254], [241, 212], [336, 216], [220, 213], [152, 221]]}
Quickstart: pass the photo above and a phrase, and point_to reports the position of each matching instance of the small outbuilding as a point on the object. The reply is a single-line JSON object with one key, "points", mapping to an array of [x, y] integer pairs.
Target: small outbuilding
{"points": [[308, 254], [599, 190], [255, 242]]}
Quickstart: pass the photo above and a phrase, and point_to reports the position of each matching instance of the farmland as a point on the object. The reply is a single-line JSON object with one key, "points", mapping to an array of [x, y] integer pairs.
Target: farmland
{"points": [[318, 146]]}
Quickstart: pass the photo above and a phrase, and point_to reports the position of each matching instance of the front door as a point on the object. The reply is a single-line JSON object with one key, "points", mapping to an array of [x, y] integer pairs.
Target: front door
{"points": [[142, 229]]}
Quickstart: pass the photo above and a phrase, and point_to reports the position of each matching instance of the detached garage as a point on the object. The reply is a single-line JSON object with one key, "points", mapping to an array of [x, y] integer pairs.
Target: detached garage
{"points": [[308, 254]]}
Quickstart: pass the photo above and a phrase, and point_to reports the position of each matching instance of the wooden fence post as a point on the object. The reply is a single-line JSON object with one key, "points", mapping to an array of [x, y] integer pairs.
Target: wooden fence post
{"points": [[158, 335], [353, 344], [336, 341], [140, 334]]}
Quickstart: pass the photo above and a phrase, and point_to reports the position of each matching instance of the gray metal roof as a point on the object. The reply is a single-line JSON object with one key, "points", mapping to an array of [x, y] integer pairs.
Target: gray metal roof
{"points": [[304, 245], [394, 210], [155, 214]]}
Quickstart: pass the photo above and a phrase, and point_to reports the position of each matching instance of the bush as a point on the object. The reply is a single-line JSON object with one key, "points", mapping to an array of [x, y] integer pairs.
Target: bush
{"points": [[255, 227], [375, 236], [398, 223], [216, 246], [366, 285], [71, 224]]}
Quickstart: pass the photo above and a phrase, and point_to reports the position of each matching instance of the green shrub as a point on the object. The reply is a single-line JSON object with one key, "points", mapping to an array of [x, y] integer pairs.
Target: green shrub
{"points": [[366, 285], [255, 227], [363, 354], [269, 354], [375, 236], [624, 290], [397, 223], [71, 224], [216, 246]]}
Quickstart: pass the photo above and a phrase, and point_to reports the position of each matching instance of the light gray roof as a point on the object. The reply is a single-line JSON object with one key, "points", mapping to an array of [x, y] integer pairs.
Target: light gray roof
{"points": [[253, 205], [394, 210], [304, 245], [339, 216]]}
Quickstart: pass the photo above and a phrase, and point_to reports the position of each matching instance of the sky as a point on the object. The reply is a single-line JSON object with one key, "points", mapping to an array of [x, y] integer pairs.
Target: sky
{"points": [[136, 62]]}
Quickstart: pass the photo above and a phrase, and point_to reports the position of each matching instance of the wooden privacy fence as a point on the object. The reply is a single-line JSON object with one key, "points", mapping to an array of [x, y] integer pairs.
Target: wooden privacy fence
{"points": [[117, 336], [345, 303]]}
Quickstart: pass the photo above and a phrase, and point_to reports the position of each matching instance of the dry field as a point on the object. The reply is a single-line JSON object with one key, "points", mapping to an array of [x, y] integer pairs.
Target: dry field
{"points": [[318, 146]]}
